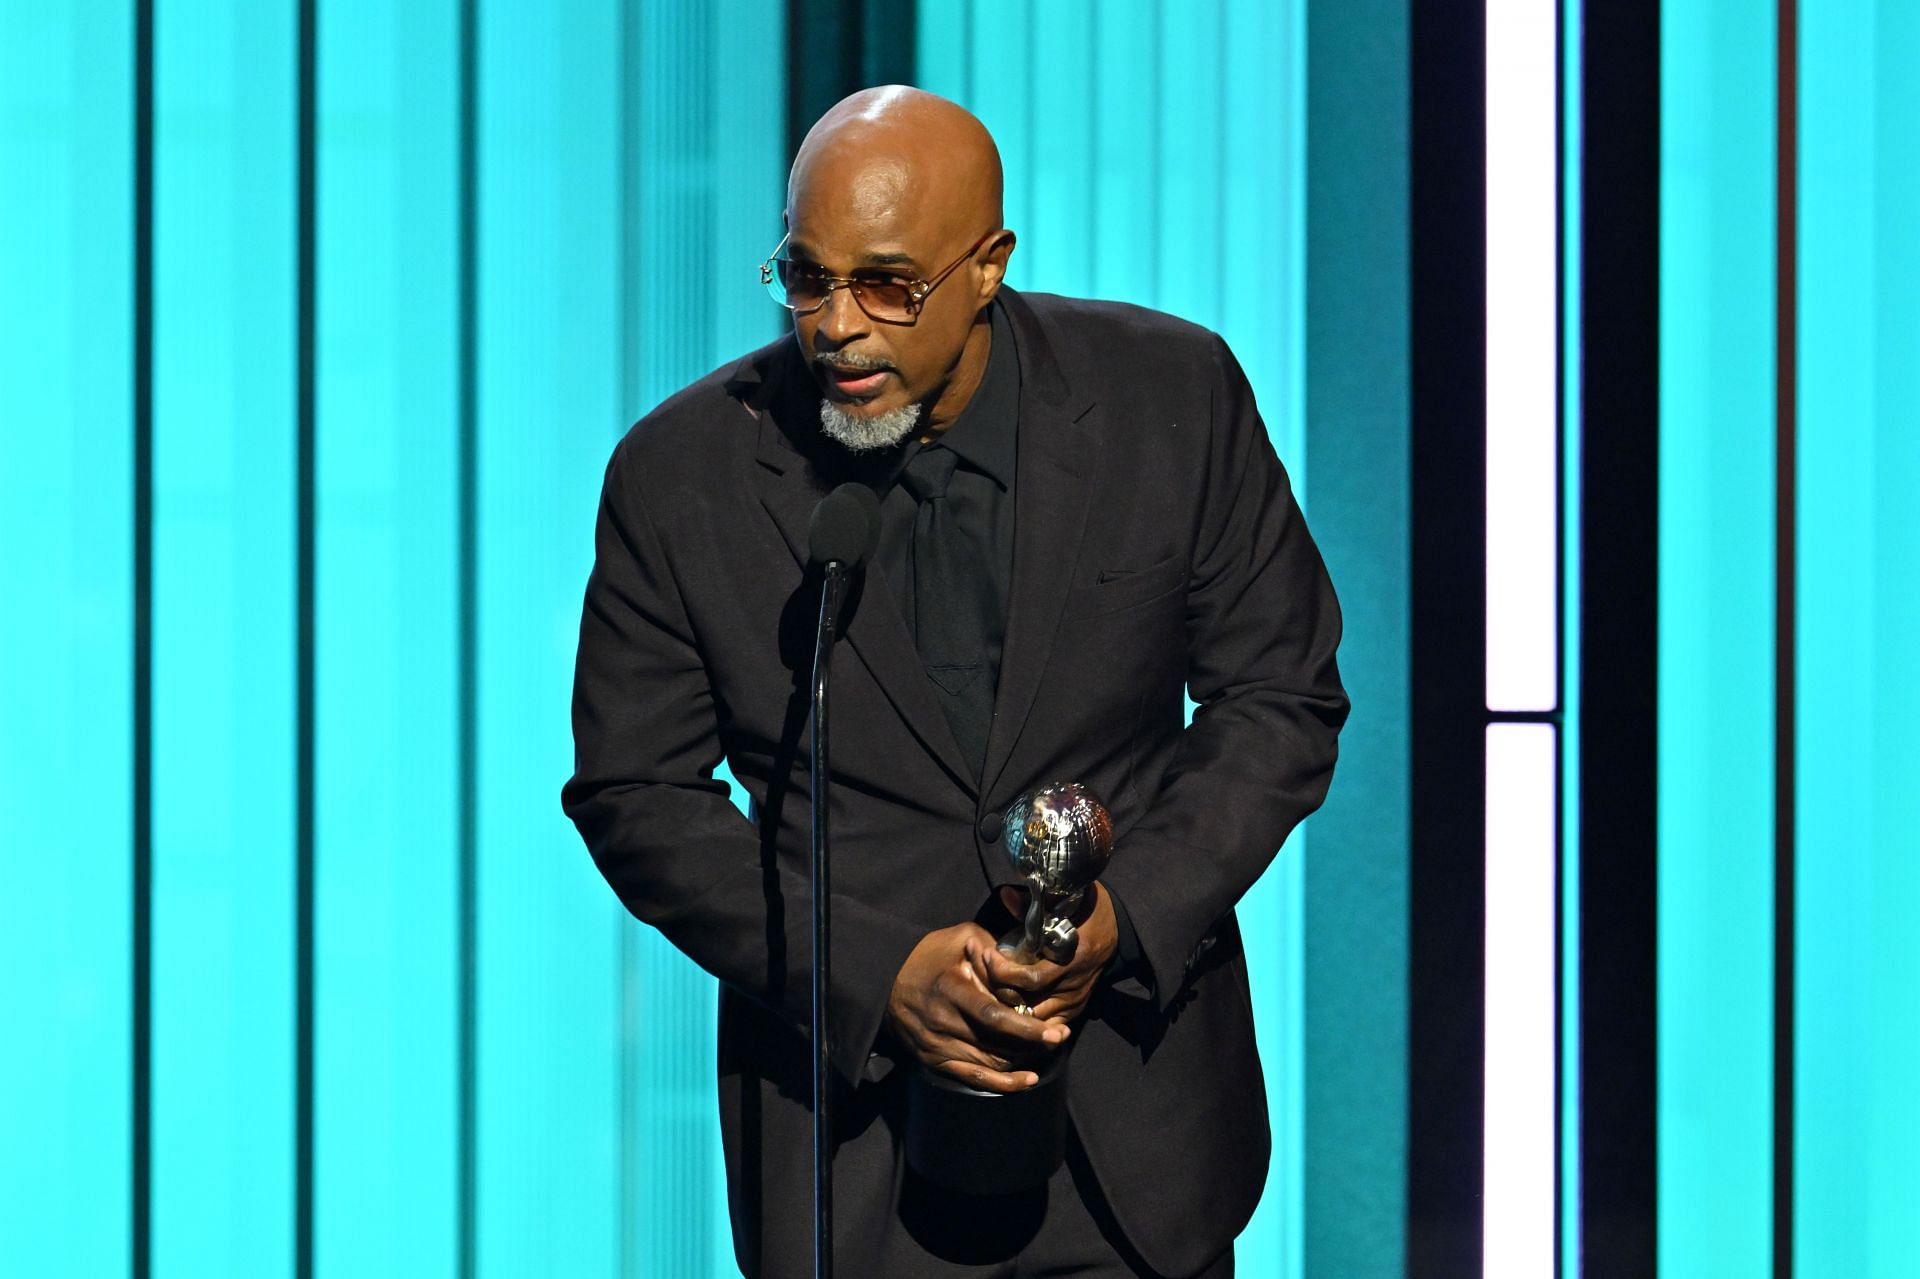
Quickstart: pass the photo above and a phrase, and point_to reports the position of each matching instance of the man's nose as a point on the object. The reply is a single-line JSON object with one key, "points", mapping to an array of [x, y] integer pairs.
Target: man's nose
{"points": [[841, 319]]}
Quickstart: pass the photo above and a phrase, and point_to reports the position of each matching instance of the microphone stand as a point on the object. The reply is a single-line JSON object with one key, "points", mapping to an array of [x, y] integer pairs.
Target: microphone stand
{"points": [[831, 594]]}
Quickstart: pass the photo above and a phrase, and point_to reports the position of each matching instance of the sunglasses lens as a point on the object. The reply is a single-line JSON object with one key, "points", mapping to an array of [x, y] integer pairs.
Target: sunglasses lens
{"points": [[803, 287], [794, 285], [886, 300]]}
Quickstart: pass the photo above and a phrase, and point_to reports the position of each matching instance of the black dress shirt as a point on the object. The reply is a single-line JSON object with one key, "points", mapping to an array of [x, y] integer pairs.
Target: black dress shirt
{"points": [[980, 499]]}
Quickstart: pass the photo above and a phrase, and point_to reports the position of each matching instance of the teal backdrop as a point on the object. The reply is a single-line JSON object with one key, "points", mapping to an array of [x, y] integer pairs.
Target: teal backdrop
{"points": [[323, 319], [318, 322], [1848, 361], [1856, 1122], [1716, 651]]}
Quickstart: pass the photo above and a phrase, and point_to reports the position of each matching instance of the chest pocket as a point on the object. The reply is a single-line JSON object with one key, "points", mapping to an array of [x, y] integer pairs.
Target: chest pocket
{"points": [[1117, 589]]}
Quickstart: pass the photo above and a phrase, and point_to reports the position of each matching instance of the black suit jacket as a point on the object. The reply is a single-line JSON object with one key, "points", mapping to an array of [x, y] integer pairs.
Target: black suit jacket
{"points": [[1158, 549]]}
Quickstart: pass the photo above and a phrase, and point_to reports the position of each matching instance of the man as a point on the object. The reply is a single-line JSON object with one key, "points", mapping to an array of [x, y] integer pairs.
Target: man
{"points": [[1082, 521]]}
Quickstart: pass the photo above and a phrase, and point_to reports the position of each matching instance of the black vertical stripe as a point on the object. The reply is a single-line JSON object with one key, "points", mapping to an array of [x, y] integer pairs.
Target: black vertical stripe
{"points": [[468, 302], [1619, 649], [1446, 1011], [835, 47], [303, 926], [1786, 427], [824, 57], [797, 120], [141, 1160], [888, 36]]}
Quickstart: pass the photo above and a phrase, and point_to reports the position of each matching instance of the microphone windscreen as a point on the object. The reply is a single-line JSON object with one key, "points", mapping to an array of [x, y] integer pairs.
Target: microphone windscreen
{"points": [[845, 526]]}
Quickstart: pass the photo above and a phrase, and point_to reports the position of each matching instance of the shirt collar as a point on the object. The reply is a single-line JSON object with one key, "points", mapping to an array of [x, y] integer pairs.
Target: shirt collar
{"points": [[985, 432]]}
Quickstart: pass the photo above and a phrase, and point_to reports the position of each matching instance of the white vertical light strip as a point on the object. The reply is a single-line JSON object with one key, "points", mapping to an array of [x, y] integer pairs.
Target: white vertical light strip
{"points": [[1523, 489], [1522, 350], [1518, 1188]]}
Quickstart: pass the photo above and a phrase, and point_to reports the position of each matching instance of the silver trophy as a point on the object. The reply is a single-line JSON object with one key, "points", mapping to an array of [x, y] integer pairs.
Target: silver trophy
{"points": [[1059, 838]]}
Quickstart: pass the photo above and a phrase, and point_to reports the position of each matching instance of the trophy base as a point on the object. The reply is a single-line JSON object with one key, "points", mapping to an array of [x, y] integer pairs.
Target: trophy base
{"points": [[984, 1143]]}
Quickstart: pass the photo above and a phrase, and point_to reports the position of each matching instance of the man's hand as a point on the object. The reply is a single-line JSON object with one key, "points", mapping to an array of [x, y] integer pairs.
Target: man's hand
{"points": [[1056, 992], [943, 1012]]}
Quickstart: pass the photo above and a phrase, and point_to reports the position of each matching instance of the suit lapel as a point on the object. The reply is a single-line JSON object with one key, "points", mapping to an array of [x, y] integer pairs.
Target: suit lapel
{"points": [[1054, 460], [790, 487], [1054, 463]]}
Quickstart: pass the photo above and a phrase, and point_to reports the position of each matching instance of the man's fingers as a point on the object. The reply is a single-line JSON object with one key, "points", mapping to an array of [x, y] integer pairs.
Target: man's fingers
{"points": [[965, 1009], [992, 1080], [1039, 975], [949, 1049], [943, 1007], [1062, 1010], [950, 1036], [993, 1018], [981, 952]]}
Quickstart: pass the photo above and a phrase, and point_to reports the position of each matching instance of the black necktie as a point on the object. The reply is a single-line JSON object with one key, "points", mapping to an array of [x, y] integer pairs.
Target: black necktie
{"points": [[951, 597]]}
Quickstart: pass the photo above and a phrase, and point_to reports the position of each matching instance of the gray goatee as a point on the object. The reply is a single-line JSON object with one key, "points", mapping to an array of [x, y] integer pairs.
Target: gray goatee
{"points": [[863, 434]]}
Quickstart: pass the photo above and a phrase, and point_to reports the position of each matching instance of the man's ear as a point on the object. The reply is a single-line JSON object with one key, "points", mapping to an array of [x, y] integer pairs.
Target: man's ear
{"points": [[994, 269]]}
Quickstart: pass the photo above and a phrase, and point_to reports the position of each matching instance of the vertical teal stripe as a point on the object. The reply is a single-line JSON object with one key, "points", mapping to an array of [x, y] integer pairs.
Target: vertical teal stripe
{"points": [[667, 1066], [575, 349], [1716, 601], [706, 185], [943, 60], [1062, 158], [1153, 155], [1261, 112], [1123, 222], [224, 639], [1357, 395], [550, 380], [1572, 142], [1857, 1113], [1193, 187], [999, 88], [1258, 109], [387, 668], [66, 594]]}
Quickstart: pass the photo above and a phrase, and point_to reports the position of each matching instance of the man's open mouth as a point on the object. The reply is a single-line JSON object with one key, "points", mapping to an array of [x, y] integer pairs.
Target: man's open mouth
{"points": [[854, 382]]}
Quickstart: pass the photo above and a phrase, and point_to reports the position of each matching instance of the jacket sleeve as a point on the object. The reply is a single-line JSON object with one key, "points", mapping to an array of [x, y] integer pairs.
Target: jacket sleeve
{"points": [[1262, 627], [659, 823]]}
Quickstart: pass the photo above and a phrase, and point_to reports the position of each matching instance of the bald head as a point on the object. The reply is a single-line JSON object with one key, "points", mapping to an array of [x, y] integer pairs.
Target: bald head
{"points": [[899, 189], [897, 150]]}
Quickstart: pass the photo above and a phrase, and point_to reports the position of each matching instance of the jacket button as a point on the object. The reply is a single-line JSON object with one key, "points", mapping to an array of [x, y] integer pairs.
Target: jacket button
{"points": [[990, 827]]}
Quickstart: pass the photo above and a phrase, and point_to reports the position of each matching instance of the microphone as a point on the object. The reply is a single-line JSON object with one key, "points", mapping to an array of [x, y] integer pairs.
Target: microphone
{"points": [[845, 527], [844, 530]]}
